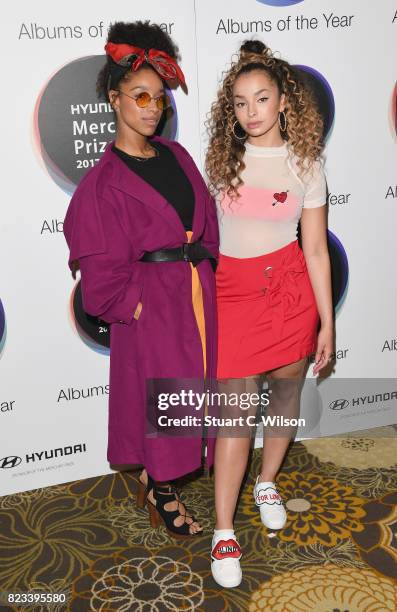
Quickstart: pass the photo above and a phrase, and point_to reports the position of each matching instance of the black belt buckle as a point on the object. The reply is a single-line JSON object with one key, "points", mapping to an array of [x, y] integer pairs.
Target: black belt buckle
{"points": [[185, 251]]}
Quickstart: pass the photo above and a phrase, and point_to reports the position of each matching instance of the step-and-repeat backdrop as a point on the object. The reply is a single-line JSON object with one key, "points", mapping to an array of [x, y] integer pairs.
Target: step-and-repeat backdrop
{"points": [[53, 358]]}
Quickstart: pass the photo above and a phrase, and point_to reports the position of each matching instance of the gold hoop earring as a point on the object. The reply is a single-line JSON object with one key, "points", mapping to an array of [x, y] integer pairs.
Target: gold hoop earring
{"points": [[283, 125], [235, 135]]}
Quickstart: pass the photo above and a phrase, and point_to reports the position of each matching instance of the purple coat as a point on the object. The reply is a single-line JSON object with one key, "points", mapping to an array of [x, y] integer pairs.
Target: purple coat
{"points": [[113, 218]]}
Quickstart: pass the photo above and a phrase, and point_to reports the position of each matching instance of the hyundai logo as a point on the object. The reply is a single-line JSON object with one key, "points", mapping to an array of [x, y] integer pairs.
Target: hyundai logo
{"points": [[339, 404], [10, 462]]}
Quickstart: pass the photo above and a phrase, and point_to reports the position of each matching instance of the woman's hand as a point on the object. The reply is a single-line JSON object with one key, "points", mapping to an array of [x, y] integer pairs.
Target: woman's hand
{"points": [[325, 347]]}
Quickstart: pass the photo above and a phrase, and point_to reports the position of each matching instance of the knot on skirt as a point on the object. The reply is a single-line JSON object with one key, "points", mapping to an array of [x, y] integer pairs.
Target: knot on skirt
{"points": [[282, 291]]}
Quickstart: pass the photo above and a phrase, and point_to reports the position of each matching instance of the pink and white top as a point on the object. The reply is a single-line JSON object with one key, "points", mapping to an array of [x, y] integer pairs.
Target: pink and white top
{"points": [[266, 216]]}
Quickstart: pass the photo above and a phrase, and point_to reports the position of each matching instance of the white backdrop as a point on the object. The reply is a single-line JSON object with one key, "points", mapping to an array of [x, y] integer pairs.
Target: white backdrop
{"points": [[44, 361]]}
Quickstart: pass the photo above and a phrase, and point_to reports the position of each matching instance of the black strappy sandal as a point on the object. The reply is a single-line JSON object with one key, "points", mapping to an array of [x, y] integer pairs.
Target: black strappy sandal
{"points": [[164, 494]]}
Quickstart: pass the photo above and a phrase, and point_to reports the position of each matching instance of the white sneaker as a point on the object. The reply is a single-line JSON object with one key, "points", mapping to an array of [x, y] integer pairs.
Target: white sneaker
{"points": [[273, 514], [225, 559]]}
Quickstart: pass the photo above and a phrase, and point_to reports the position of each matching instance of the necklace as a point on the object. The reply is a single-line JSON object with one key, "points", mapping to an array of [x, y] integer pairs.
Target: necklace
{"points": [[145, 159]]}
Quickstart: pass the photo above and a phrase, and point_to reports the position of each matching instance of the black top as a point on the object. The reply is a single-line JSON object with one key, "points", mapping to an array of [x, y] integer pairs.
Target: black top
{"points": [[164, 174]]}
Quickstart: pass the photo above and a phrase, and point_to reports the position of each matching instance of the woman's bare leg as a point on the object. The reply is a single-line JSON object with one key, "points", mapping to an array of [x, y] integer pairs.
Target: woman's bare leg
{"points": [[231, 453], [285, 384]]}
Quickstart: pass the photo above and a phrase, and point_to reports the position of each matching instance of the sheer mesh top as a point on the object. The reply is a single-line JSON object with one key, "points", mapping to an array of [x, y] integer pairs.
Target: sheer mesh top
{"points": [[266, 216]]}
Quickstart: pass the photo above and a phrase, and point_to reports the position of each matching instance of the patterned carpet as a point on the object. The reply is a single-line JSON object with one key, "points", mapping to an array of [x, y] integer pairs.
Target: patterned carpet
{"points": [[337, 553]]}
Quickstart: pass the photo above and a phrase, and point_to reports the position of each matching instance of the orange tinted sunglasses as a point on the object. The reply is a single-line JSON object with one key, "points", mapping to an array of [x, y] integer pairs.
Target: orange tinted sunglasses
{"points": [[144, 98]]}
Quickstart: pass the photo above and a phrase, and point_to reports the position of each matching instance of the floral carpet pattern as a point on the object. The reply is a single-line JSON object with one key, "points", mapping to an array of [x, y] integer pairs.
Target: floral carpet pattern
{"points": [[337, 552]]}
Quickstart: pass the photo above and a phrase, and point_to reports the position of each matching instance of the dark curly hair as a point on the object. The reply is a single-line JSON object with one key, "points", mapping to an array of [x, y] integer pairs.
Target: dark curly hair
{"points": [[141, 34], [304, 133]]}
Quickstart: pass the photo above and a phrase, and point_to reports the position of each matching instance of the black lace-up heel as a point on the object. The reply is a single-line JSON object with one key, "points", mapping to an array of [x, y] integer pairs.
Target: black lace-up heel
{"points": [[164, 494]]}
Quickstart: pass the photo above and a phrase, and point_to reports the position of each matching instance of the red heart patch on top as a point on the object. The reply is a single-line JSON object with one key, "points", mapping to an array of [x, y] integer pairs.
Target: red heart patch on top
{"points": [[280, 197]]}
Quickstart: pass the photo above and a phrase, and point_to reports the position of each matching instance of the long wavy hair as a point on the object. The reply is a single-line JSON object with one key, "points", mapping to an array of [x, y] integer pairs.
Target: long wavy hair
{"points": [[304, 132]]}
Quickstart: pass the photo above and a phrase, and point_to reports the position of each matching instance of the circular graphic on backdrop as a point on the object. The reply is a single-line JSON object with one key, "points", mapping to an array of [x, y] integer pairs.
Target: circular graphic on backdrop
{"points": [[280, 2], [322, 93], [340, 270], [393, 112], [94, 332], [73, 126], [2, 326]]}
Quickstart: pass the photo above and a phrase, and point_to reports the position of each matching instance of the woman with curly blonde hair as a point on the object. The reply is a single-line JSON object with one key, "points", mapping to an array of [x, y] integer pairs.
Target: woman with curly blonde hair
{"points": [[264, 167]]}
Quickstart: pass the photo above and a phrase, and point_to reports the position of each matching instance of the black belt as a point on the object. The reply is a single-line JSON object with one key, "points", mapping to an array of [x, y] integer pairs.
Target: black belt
{"points": [[194, 252]]}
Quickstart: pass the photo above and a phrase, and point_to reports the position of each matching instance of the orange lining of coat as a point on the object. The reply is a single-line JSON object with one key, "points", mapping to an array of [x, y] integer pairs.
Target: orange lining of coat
{"points": [[198, 305]]}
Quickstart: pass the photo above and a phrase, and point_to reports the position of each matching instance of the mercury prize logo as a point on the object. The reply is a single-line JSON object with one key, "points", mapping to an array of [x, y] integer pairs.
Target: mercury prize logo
{"points": [[340, 270], [2, 327], [322, 93], [280, 2], [93, 332], [72, 127], [393, 113]]}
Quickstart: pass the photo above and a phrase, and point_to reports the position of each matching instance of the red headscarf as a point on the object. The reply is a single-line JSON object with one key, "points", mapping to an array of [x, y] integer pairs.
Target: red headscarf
{"points": [[163, 63]]}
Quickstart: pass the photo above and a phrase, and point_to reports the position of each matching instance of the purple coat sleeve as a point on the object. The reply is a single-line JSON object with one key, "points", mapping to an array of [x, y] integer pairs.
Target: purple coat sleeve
{"points": [[105, 255]]}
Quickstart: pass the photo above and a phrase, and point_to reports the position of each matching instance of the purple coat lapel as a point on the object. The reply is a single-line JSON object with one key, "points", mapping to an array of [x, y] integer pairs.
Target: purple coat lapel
{"points": [[131, 183]]}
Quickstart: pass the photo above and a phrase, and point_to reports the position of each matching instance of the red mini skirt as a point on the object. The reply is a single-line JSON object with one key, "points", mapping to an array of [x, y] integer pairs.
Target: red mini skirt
{"points": [[267, 313]]}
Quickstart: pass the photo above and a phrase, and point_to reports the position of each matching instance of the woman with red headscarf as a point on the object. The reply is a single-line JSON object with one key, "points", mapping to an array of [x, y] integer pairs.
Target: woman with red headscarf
{"points": [[142, 227]]}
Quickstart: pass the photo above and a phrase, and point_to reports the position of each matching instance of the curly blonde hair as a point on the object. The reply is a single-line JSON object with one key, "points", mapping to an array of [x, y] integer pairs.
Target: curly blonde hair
{"points": [[304, 132]]}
